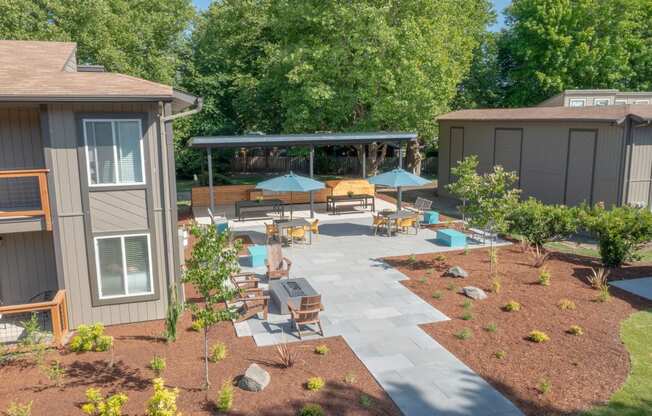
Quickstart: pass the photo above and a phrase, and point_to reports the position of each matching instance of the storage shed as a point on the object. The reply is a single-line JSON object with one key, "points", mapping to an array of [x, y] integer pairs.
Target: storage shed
{"points": [[562, 155]]}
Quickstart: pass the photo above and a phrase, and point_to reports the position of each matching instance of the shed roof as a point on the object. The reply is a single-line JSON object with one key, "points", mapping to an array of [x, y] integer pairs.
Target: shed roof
{"points": [[273, 140], [612, 114], [40, 71]]}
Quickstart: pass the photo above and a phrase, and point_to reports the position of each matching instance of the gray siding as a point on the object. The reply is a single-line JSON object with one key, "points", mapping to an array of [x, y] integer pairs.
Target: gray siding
{"points": [[20, 139], [580, 165], [118, 211], [640, 173], [70, 231], [26, 266], [543, 151]]}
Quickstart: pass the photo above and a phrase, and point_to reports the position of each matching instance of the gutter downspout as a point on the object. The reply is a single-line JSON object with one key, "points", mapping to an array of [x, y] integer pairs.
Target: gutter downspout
{"points": [[169, 194]]}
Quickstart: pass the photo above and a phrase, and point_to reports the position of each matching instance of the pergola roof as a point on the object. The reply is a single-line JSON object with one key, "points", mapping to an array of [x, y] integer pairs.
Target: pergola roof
{"points": [[280, 140]]}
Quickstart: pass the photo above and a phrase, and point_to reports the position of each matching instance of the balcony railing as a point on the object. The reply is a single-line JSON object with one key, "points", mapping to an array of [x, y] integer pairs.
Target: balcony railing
{"points": [[25, 194], [55, 308]]}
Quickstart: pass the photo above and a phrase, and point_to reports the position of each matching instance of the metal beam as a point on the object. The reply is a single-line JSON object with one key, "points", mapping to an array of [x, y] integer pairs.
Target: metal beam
{"points": [[210, 180], [312, 195], [364, 161]]}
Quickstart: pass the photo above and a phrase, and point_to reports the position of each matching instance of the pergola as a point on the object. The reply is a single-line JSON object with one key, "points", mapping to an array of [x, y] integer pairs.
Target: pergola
{"points": [[308, 140]]}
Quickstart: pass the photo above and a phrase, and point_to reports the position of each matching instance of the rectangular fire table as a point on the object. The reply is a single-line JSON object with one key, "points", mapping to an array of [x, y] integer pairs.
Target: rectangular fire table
{"points": [[292, 290]]}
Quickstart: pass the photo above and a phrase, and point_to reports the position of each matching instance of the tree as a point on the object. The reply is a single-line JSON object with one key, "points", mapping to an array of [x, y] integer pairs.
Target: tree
{"points": [[282, 66], [212, 262], [467, 182], [539, 223], [140, 38]]}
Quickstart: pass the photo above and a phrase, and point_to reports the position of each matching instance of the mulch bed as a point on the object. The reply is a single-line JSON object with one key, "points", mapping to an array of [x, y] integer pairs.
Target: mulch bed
{"points": [[136, 344], [582, 371]]}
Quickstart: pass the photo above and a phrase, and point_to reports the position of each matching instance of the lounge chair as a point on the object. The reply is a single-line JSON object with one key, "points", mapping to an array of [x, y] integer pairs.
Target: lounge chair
{"points": [[244, 281], [277, 265], [250, 303], [306, 313]]}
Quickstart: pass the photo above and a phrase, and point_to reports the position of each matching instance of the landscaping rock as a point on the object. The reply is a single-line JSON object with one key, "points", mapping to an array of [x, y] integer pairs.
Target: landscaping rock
{"points": [[474, 292], [254, 379], [457, 271]]}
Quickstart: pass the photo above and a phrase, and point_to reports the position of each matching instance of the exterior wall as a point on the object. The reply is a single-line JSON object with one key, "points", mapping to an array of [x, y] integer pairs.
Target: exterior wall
{"points": [[81, 213], [589, 97], [639, 184], [556, 162]]}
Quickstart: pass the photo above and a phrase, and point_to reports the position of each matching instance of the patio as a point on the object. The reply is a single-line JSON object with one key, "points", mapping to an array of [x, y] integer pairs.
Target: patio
{"points": [[378, 317]]}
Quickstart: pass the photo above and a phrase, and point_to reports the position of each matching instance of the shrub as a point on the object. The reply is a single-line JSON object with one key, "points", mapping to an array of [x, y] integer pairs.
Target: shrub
{"points": [[349, 378], [598, 278], [566, 305], [440, 258], [423, 280], [544, 277], [512, 306], [164, 401], [97, 405], [451, 287], [412, 259], [33, 335], [218, 352], [366, 401], [437, 295], [539, 223], [620, 231], [311, 409], [322, 349], [538, 336], [467, 316], [500, 354], [491, 327], [197, 325], [544, 386], [91, 338], [575, 330], [157, 365], [17, 409], [172, 317], [496, 285], [603, 295], [464, 334], [539, 256], [225, 397], [467, 304], [315, 383], [285, 355], [55, 372]]}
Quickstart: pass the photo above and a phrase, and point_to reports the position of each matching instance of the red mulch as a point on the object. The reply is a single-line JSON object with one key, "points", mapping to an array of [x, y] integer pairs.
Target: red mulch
{"points": [[582, 370], [136, 344]]}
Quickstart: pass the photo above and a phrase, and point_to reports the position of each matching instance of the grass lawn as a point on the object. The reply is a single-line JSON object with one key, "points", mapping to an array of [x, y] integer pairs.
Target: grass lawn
{"points": [[589, 252], [635, 397]]}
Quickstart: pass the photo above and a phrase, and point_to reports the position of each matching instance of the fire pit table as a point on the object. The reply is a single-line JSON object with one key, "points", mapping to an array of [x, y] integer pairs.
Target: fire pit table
{"points": [[293, 290]]}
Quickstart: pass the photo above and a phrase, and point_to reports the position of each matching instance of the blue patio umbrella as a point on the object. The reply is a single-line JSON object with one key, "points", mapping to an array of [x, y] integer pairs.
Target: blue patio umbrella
{"points": [[398, 178], [290, 183]]}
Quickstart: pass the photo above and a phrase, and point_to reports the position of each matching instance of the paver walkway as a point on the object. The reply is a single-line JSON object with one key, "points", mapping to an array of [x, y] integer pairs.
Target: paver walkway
{"points": [[378, 317]]}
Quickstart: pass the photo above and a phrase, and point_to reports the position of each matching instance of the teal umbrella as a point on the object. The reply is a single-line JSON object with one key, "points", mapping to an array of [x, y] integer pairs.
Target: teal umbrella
{"points": [[290, 183], [398, 178]]}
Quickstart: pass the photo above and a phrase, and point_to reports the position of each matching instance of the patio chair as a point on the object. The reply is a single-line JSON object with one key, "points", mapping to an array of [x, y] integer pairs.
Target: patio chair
{"points": [[297, 234], [244, 281], [404, 224], [277, 265], [380, 222], [306, 313], [314, 227], [250, 303], [422, 205], [271, 233]]}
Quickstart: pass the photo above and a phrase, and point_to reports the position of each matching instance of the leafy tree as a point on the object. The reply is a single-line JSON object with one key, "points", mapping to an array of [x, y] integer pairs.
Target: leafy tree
{"points": [[213, 260], [539, 223], [621, 232], [140, 38], [467, 182], [282, 66]]}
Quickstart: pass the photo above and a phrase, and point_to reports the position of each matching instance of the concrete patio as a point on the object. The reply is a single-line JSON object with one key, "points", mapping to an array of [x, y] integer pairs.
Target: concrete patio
{"points": [[641, 287], [366, 304]]}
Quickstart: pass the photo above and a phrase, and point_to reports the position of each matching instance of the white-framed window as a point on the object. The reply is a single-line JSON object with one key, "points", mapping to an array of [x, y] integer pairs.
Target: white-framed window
{"points": [[114, 152], [620, 102], [642, 102], [577, 102], [124, 266], [601, 102]]}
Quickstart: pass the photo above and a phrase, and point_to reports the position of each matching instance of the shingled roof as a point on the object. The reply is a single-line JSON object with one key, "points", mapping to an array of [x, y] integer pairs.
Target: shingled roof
{"points": [[33, 71], [614, 114]]}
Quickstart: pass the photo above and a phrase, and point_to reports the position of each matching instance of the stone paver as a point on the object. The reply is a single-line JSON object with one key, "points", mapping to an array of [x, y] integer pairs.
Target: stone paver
{"points": [[378, 318]]}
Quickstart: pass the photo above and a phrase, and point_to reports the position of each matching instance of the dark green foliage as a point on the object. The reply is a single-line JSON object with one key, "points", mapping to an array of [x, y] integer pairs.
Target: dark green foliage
{"points": [[311, 409], [539, 223]]}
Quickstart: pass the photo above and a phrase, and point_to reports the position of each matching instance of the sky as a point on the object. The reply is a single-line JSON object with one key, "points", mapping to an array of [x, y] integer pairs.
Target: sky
{"points": [[499, 5]]}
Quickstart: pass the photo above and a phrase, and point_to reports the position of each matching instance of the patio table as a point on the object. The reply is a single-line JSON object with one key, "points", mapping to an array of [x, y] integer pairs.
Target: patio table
{"points": [[364, 200], [394, 216], [284, 225], [275, 204]]}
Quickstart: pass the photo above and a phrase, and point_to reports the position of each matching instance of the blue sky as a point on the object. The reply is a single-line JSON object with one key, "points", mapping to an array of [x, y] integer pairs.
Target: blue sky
{"points": [[499, 5]]}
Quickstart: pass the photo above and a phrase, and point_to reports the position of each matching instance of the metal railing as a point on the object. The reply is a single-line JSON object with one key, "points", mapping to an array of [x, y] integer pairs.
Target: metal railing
{"points": [[56, 308], [14, 187]]}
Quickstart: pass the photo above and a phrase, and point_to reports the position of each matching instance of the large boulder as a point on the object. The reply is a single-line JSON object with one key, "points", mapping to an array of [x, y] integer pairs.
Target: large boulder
{"points": [[254, 379], [474, 292], [457, 271]]}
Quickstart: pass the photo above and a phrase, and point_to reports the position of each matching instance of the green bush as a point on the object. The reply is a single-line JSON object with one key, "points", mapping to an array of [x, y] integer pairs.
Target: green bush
{"points": [[366, 401], [157, 365], [17, 409], [566, 305], [539, 223], [164, 401], [197, 325], [544, 386], [174, 311], [538, 336], [500, 354], [91, 338], [575, 330], [544, 277], [467, 316], [311, 409], [218, 352], [491, 327], [437, 295], [315, 383], [620, 231], [225, 397], [322, 349], [97, 405], [55, 372], [512, 306], [464, 334]]}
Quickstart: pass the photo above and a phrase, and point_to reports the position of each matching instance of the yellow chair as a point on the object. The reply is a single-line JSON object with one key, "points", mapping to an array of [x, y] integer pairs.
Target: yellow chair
{"points": [[405, 223], [297, 233], [379, 222], [271, 232], [314, 227]]}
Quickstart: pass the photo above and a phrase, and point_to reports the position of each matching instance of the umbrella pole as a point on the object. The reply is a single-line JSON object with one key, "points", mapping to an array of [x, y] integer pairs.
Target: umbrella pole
{"points": [[291, 206], [398, 200]]}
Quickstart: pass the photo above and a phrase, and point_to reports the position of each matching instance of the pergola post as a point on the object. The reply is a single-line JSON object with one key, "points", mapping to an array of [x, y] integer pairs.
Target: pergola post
{"points": [[210, 180], [364, 161], [312, 195], [400, 156]]}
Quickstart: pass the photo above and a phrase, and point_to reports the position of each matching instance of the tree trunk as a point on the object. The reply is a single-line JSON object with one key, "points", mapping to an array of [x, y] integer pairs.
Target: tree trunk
{"points": [[413, 162], [375, 158], [207, 382]]}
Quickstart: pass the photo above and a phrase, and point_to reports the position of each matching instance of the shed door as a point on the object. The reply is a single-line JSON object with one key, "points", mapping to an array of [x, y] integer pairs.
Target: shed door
{"points": [[580, 166], [507, 150], [641, 167], [456, 149]]}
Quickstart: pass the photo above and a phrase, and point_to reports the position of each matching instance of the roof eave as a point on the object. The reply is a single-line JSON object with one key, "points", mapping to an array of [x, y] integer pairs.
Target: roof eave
{"points": [[85, 98]]}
